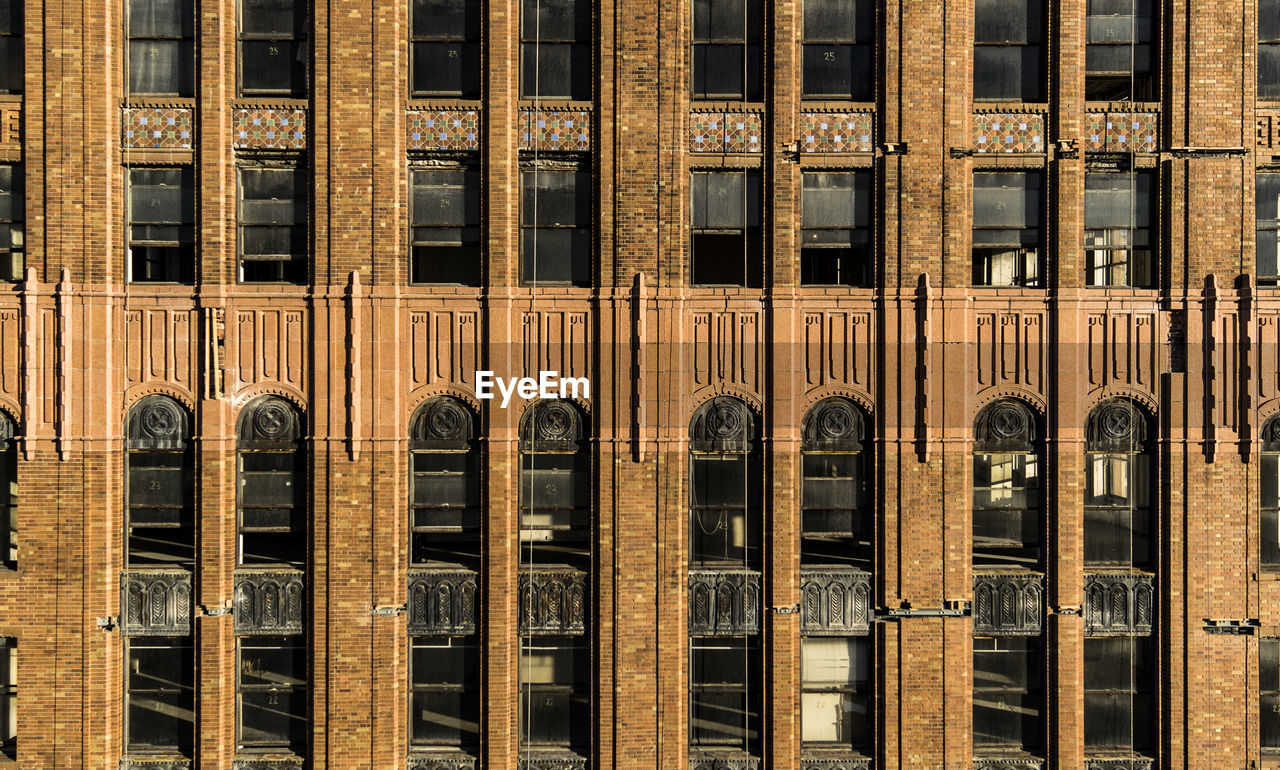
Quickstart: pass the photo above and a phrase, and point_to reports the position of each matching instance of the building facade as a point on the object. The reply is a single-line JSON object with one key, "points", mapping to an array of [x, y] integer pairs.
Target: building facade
{"points": [[933, 353]]}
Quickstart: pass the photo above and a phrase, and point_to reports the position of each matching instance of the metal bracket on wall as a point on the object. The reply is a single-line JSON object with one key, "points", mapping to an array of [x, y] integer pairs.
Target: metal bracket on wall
{"points": [[1231, 625], [108, 623], [1064, 610], [1066, 148], [961, 152], [950, 609], [215, 612], [784, 610], [894, 148], [1206, 152], [388, 609]]}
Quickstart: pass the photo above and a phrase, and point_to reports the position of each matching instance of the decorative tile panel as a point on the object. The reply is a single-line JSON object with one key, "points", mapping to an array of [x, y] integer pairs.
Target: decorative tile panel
{"points": [[835, 602], [726, 132], [155, 602], [1008, 603], [154, 763], [442, 602], [441, 760], [267, 763], [1118, 604], [443, 129], [722, 760], [551, 760], [10, 125], [1008, 763], [1122, 132], [724, 602], [555, 129], [553, 602], [268, 602], [838, 132], [833, 760], [158, 128], [266, 128], [1119, 763], [1008, 132]]}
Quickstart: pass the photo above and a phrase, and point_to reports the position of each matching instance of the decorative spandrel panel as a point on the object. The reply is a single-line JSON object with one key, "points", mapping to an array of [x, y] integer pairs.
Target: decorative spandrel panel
{"points": [[710, 759], [1009, 350], [442, 602], [555, 341], [266, 346], [1122, 350], [724, 602], [268, 602], [442, 760], [1008, 763], [1119, 763], [726, 349], [267, 763], [843, 760], [837, 349], [553, 602], [155, 602], [1008, 603], [444, 346], [1118, 604], [550, 759], [835, 602], [160, 347], [10, 353]]}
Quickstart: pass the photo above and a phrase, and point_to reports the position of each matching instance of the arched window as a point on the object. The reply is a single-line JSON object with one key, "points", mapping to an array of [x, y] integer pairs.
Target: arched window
{"points": [[835, 498], [272, 483], [726, 485], [1007, 522], [1117, 513], [9, 490], [445, 497], [555, 486], [1270, 493], [160, 484]]}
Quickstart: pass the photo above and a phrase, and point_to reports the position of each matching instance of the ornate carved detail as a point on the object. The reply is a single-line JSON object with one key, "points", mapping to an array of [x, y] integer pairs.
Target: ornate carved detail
{"points": [[155, 602], [158, 422], [1271, 435], [551, 760], [724, 602], [552, 426], [442, 422], [1006, 425], [269, 421], [267, 763], [1118, 604], [8, 430], [1119, 763], [442, 602], [1008, 603], [1008, 763], [834, 424], [723, 424], [835, 602], [727, 759], [151, 763], [553, 602], [1116, 425], [441, 760], [833, 760], [268, 602]]}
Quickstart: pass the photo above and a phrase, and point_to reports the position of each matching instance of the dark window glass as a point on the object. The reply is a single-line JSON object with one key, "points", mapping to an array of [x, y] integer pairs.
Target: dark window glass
{"points": [[1008, 61], [1270, 493], [1006, 509], [1119, 225], [555, 49], [272, 690], [12, 65], [13, 212], [726, 245], [446, 226], [1269, 49], [273, 224], [555, 227], [446, 507], [835, 697], [9, 504], [1117, 513], [273, 48], [555, 701], [272, 507], [555, 508], [1008, 702], [1119, 51], [160, 695], [835, 238], [727, 54], [1007, 238], [1269, 694], [1118, 682], [161, 54], [726, 509], [9, 697], [445, 707], [161, 512], [446, 48], [161, 225], [1267, 199], [724, 697], [835, 514], [838, 49]]}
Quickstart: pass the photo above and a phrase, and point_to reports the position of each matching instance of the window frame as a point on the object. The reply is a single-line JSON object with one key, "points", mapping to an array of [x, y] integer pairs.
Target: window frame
{"points": [[184, 272], [471, 187], [579, 688], [752, 90], [863, 39], [741, 448], [1144, 86], [299, 40], [1033, 663], [861, 237], [296, 268], [579, 87], [580, 276], [751, 724], [1138, 689], [180, 647], [1124, 240], [1038, 46], [750, 232], [983, 250], [294, 446], [471, 688], [1269, 691], [14, 30], [849, 691], [1271, 45], [186, 50], [468, 48], [14, 257], [295, 691], [1264, 224]]}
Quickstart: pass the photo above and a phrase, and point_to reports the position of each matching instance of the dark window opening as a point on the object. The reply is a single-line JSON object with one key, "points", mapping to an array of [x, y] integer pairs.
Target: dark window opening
{"points": [[1119, 227], [272, 689], [273, 224], [724, 694], [1270, 502], [1269, 694], [727, 49], [555, 700], [271, 475], [1269, 49], [836, 692], [12, 53], [836, 517], [555, 49], [161, 695], [1119, 51], [1267, 200], [161, 50], [446, 226], [161, 510], [161, 225], [446, 48], [446, 507], [1007, 237], [1118, 685], [835, 237], [1008, 703], [9, 697], [839, 54], [273, 48], [555, 227], [13, 212], [445, 692], [1117, 513], [1008, 59], [726, 247], [555, 508], [1006, 510], [8, 496]]}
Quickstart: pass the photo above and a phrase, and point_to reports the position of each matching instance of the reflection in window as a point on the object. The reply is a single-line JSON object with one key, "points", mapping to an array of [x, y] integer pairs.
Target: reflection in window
{"points": [[1269, 49], [161, 50], [1118, 705], [724, 698], [835, 499], [1269, 694], [1267, 200], [160, 485], [727, 54], [13, 210], [445, 487], [1008, 700], [1117, 513], [1008, 60], [555, 701], [1006, 488], [838, 50], [445, 692], [161, 695], [1007, 237], [725, 487], [835, 697], [835, 237], [446, 48]]}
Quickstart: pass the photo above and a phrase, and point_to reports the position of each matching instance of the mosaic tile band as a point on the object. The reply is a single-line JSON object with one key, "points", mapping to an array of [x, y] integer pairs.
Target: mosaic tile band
{"points": [[1122, 132], [555, 129], [1008, 132], [838, 132], [158, 128], [269, 129], [726, 132], [442, 129]]}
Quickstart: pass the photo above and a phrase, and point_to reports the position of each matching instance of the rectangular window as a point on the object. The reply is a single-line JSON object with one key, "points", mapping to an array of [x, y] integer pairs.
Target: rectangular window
{"points": [[446, 48], [161, 694], [836, 528], [838, 50], [1269, 49], [725, 511], [446, 226], [555, 49], [273, 48], [1007, 238], [1267, 200], [1269, 694], [727, 51], [1117, 514], [446, 507], [555, 508], [12, 64], [9, 504], [161, 225], [835, 238], [161, 50], [445, 692], [272, 509], [1008, 707], [1118, 679], [1119, 51], [555, 704], [1008, 60], [273, 224], [9, 697], [555, 227], [725, 249], [13, 210], [1119, 227], [724, 697], [1270, 489], [161, 520], [272, 693], [835, 697], [1006, 510]]}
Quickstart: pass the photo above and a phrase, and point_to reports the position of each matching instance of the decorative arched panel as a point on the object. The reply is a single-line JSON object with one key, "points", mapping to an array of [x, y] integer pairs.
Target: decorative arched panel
{"points": [[834, 425], [158, 422], [1005, 425], [269, 422], [723, 424], [443, 422], [1116, 425]]}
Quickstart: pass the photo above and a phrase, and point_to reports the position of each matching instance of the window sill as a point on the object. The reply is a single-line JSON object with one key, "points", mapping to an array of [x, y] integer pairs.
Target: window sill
{"points": [[247, 758], [998, 105], [159, 100], [554, 103], [835, 105], [253, 102], [724, 105], [157, 761], [1122, 106], [432, 757], [443, 102]]}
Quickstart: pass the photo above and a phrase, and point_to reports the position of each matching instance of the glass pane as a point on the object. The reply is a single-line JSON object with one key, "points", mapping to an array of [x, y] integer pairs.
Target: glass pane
{"points": [[160, 195], [835, 662], [1007, 21], [446, 717], [273, 718], [836, 200], [556, 20], [1268, 19], [160, 18], [452, 198], [446, 19], [555, 198], [272, 67], [11, 64], [718, 71], [446, 68], [1117, 200], [1269, 707], [161, 67], [445, 661], [556, 256], [1269, 71], [1270, 537], [1006, 200], [848, 20], [280, 18], [448, 264]]}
